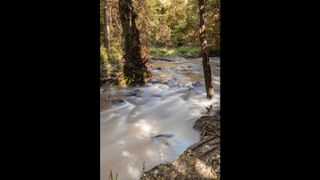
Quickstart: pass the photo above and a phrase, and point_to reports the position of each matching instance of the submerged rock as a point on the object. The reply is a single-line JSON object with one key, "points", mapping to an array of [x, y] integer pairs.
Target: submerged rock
{"points": [[134, 92], [169, 58], [162, 136], [154, 81], [197, 84], [118, 101]]}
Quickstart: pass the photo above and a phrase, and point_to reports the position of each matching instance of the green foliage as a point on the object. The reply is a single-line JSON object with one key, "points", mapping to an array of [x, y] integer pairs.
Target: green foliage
{"points": [[170, 27], [111, 176], [188, 51], [115, 54], [127, 80], [167, 24], [176, 24], [184, 51], [114, 64], [103, 55]]}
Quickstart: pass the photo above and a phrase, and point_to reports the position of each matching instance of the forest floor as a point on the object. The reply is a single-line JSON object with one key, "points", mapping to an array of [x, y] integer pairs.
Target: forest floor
{"points": [[199, 161]]}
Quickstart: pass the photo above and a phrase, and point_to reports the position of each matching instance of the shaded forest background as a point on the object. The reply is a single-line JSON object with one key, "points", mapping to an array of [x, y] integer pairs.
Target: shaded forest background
{"points": [[166, 27]]}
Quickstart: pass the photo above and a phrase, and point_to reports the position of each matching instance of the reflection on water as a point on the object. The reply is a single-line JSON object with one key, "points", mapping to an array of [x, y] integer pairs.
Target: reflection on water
{"points": [[152, 124]]}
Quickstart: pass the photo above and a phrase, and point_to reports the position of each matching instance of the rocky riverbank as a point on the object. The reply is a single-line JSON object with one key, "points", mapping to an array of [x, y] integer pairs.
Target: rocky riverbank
{"points": [[199, 161]]}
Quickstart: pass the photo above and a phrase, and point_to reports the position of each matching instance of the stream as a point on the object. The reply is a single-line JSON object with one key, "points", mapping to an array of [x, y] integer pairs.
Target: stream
{"points": [[145, 126]]}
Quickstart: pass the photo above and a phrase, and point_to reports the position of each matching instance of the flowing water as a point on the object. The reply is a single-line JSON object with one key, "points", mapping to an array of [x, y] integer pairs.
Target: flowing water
{"points": [[143, 127]]}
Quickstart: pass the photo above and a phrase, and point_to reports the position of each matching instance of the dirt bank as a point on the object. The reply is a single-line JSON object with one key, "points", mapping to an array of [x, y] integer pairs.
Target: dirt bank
{"points": [[199, 161]]}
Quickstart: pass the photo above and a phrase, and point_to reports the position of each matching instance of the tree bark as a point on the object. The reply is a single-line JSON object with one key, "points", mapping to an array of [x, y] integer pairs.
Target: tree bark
{"points": [[107, 16], [204, 52], [134, 68]]}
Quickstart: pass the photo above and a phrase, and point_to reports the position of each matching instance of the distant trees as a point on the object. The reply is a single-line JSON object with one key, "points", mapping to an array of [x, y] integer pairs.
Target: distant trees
{"points": [[110, 27], [204, 51], [129, 28], [176, 23]]}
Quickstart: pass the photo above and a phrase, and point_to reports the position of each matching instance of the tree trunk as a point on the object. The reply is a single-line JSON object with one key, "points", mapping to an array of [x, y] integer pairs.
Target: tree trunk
{"points": [[204, 52], [134, 67], [107, 16]]}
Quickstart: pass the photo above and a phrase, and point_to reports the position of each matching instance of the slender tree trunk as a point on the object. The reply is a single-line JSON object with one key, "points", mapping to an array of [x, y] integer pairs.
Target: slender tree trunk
{"points": [[107, 16], [119, 29], [204, 52], [134, 67]]}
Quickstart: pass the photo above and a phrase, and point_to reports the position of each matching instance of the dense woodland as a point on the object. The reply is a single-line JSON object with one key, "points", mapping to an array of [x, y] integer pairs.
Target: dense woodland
{"points": [[133, 31], [160, 89]]}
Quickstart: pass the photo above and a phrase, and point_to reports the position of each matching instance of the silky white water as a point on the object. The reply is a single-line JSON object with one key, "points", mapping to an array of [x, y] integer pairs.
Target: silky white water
{"points": [[134, 116]]}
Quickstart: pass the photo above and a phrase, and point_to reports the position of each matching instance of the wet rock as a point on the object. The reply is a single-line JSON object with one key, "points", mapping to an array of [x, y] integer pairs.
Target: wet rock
{"points": [[155, 95], [172, 84], [187, 85], [166, 82], [134, 92], [108, 98], [118, 101], [169, 58], [162, 136], [154, 81], [197, 84]]}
